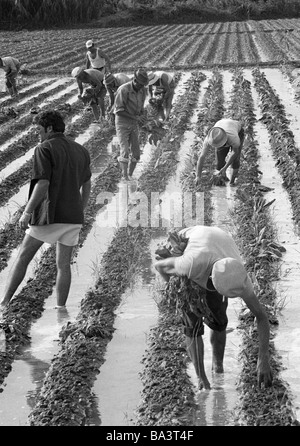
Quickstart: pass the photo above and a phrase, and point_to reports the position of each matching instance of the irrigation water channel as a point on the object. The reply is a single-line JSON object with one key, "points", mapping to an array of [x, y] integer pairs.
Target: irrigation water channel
{"points": [[117, 388]]}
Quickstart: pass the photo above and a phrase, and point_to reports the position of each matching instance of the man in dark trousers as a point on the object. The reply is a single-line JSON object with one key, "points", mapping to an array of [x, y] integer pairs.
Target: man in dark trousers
{"points": [[211, 259], [59, 192]]}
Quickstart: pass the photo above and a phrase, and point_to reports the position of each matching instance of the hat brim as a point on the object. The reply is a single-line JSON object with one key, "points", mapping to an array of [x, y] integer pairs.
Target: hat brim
{"points": [[152, 81], [230, 278], [220, 143]]}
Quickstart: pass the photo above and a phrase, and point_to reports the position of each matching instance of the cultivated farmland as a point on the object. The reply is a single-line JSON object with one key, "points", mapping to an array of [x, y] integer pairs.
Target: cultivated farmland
{"points": [[117, 355]]}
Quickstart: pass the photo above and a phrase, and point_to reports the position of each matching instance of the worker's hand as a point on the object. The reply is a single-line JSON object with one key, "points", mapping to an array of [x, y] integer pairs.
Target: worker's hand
{"points": [[24, 220], [80, 97], [264, 373]]}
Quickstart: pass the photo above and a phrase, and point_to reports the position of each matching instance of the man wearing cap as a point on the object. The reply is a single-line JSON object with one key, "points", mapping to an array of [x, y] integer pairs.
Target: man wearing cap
{"points": [[97, 58], [112, 82], [225, 137], [212, 260], [11, 66], [165, 82], [95, 95], [129, 113]]}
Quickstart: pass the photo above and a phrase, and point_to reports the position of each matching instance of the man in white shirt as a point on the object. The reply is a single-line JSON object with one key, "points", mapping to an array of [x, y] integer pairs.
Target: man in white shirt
{"points": [[97, 58], [211, 259], [225, 137]]}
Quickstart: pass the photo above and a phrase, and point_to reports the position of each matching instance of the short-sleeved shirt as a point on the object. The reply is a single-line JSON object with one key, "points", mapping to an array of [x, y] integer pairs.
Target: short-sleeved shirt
{"points": [[232, 128], [206, 245], [66, 165], [130, 100], [10, 64]]}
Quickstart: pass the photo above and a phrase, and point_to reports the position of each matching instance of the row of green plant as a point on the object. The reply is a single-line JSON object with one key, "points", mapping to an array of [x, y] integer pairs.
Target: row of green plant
{"points": [[256, 235]]}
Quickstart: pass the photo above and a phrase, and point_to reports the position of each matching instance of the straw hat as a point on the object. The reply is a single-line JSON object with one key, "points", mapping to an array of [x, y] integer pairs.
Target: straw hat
{"points": [[141, 76], [153, 77], [230, 278], [77, 71], [217, 137]]}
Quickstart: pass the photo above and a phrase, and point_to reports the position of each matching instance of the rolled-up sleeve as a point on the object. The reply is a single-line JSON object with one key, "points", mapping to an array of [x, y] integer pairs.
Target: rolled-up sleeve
{"points": [[120, 100]]}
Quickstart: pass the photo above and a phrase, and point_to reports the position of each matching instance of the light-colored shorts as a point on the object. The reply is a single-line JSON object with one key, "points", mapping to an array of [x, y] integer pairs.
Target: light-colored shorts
{"points": [[65, 233]]}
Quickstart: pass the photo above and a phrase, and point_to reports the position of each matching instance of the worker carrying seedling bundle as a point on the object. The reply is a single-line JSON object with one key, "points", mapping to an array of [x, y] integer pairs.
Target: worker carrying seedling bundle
{"points": [[11, 66], [165, 82], [207, 261], [226, 137], [94, 94]]}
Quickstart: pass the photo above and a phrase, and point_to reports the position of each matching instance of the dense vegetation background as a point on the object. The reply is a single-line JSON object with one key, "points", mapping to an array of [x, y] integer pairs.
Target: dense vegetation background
{"points": [[16, 14]]}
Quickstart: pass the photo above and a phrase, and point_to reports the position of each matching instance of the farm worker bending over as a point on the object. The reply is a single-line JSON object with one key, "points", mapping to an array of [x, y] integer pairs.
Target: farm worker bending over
{"points": [[93, 96], [165, 82], [112, 82], [58, 193], [11, 66], [211, 259], [227, 135], [129, 113], [97, 58]]}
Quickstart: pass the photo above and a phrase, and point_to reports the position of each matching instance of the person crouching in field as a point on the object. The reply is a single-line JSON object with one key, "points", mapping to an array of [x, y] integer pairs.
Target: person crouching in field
{"points": [[129, 113], [210, 259], [165, 82], [226, 137], [93, 95], [112, 82], [58, 193], [11, 66]]}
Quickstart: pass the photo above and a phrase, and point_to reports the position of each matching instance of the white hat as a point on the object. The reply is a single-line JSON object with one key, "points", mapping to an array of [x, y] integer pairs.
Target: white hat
{"points": [[153, 77], [230, 278], [76, 71], [217, 137], [89, 43]]}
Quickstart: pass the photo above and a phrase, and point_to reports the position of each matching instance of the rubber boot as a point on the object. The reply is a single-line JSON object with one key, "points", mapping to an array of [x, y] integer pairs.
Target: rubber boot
{"points": [[15, 92], [124, 168]]}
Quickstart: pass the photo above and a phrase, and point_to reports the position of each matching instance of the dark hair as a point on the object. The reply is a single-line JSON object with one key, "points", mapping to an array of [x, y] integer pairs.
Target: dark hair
{"points": [[50, 117]]}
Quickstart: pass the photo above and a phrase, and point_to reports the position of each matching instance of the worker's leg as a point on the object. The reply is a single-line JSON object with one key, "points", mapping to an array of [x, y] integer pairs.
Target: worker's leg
{"points": [[218, 343], [63, 278], [217, 323], [193, 330], [26, 253], [123, 135], [134, 148]]}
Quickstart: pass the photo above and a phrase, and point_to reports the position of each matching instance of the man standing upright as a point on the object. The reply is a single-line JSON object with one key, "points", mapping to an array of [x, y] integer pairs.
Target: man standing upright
{"points": [[129, 113], [97, 58], [59, 192]]}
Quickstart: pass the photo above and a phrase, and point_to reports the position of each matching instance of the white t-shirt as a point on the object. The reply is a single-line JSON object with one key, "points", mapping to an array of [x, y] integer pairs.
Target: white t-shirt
{"points": [[206, 245], [232, 128]]}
